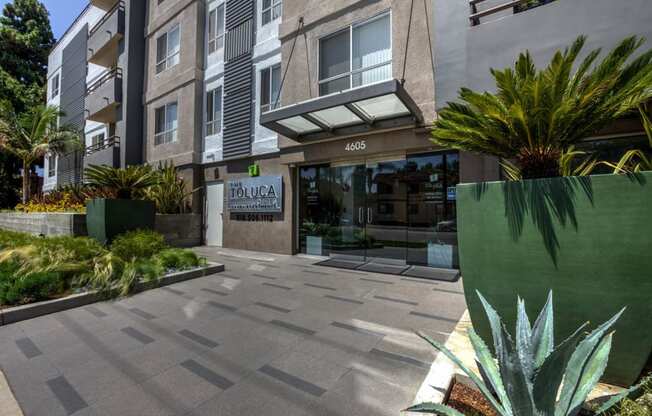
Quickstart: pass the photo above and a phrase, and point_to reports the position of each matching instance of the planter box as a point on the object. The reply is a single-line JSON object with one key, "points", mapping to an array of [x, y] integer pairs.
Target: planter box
{"points": [[48, 224], [587, 239], [108, 218], [180, 230]]}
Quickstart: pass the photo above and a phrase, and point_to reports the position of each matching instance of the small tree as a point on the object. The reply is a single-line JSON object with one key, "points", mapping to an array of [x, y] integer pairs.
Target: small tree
{"points": [[537, 116], [34, 134]]}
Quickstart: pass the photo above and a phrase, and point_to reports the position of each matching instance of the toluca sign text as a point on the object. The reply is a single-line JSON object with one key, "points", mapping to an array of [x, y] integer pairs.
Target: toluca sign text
{"points": [[260, 194]]}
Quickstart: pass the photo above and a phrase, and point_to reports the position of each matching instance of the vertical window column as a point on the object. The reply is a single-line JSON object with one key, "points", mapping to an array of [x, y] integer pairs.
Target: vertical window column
{"points": [[214, 111], [270, 84]]}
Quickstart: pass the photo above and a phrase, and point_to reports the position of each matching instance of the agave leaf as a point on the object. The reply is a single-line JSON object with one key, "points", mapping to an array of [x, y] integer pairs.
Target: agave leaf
{"points": [[543, 337], [478, 382], [578, 363], [519, 387], [549, 377], [434, 408], [489, 369], [617, 398], [523, 340], [496, 325]]}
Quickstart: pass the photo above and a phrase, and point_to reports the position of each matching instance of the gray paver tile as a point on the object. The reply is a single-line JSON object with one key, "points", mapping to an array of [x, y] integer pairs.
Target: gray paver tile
{"points": [[303, 366], [67, 395], [28, 348]]}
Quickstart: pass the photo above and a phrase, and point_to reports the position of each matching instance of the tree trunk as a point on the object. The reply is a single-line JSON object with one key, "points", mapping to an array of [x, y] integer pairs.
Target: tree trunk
{"points": [[26, 182]]}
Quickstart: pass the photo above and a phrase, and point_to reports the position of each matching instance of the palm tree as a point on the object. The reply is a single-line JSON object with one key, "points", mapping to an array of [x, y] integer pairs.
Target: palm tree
{"points": [[32, 135], [537, 116], [127, 183]]}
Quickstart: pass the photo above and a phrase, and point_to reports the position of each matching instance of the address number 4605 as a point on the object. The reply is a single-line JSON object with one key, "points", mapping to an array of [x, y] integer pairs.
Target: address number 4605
{"points": [[356, 146]]}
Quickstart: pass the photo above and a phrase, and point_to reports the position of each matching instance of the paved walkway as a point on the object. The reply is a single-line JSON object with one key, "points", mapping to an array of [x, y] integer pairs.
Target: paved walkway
{"points": [[272, 335]]}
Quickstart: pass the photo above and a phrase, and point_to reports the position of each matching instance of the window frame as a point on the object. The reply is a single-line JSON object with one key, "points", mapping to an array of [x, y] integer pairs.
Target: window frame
{"points": [[95, 140], [52, 165], [167, 135], [54, 91], [275, 7], [216, 40], [166, 62], [214, 124], [352, 72], [274, 102]]}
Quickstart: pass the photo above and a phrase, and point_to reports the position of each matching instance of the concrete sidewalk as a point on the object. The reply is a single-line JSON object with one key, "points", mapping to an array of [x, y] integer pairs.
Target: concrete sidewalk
{"points": [[272, 335]]}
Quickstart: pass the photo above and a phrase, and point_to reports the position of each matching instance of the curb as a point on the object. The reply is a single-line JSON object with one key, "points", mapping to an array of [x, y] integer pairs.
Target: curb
{"points": [[24, 312]]}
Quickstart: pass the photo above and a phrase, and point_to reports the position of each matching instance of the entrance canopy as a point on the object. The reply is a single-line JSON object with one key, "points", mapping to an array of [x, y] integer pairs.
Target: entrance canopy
{"points": [[357, 111]]}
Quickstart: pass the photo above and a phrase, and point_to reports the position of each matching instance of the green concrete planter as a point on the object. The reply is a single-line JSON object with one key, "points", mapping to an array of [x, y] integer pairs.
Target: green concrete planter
{"points": [[108, 218], [587, 239]]}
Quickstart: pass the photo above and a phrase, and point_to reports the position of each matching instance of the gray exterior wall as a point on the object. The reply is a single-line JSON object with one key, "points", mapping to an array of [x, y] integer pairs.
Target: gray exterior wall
{"points": [[73, 93], [464, 54]]}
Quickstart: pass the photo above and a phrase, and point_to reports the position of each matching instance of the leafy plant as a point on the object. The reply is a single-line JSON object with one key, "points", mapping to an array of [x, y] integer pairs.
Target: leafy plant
{"points": [[33, 287], [177, 259], [169, 193], [127, 183], [636, 160], [139, 244], [33, 135], [537, 115], [530, 376]]}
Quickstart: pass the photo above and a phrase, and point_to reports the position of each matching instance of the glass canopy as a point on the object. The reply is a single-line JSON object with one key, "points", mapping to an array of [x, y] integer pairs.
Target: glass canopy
{"points": [[372, 107]]}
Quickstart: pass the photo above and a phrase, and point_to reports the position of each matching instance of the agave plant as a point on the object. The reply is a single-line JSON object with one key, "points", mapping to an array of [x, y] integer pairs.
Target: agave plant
{"points": [[531, 376], [537, 115], [127, 183]]}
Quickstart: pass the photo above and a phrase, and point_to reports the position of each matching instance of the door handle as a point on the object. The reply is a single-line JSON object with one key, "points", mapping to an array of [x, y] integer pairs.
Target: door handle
{"points": [[360, 216], [370, 216]]}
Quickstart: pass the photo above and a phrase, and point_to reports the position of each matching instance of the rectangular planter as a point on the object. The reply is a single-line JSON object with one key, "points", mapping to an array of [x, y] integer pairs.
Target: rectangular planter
{"points": [[46, 223], [108, 218], [587, 239]]}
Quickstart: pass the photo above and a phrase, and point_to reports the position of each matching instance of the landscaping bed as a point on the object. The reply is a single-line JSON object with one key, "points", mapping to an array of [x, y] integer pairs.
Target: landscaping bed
{"points": [[35, 269]]}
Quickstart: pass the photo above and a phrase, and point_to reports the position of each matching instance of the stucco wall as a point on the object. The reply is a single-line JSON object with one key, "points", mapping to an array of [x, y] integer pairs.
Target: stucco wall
{"points": [[464, 54]]}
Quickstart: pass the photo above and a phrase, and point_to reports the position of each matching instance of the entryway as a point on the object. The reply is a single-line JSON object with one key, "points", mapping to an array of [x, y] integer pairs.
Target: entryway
{"points": [[214, 214], [383, 214]]}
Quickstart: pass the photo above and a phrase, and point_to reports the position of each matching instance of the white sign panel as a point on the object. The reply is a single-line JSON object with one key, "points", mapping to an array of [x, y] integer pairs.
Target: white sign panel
{"points": [[261, 194]]}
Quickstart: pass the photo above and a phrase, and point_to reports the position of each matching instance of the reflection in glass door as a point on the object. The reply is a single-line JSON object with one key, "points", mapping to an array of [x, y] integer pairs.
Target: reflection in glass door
{"points": [[347, 235], [386, 212]]}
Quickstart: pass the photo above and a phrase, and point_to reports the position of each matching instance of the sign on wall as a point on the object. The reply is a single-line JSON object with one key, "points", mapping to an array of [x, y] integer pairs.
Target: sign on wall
{"points": [[260, 194]]}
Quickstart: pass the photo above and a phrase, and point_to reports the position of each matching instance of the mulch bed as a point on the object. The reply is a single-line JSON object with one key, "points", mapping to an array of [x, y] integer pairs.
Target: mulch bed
{"points": [[469, 401]]}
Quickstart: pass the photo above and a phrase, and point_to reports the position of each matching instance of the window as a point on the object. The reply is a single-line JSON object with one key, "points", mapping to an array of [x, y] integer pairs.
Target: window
{"points": [[214, 111], [216, 29], [356, 56], [55, 86], [270, 83], [97, 141], [272, 10], [167, 50], [165, 124], [52, 166]]}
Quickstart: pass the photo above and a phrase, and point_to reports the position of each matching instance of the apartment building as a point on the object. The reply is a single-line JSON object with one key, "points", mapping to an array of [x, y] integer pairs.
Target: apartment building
{"points": [[95, 76], [303, 124]]}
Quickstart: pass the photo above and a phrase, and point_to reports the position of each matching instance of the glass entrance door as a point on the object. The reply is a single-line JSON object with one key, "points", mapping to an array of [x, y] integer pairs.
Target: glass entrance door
{"points": [[390, 211], [347, 232], [386, 212]]}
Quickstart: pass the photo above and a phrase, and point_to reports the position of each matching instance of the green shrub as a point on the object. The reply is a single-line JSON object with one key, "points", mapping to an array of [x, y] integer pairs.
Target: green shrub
{"points": [[177, 259], [31, 288], [140, 244], [12, 239]]}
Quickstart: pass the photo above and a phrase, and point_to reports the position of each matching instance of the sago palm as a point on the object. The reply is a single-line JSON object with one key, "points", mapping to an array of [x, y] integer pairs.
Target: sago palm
{"points": [[126, 183], [34, 134], [536, 116]]}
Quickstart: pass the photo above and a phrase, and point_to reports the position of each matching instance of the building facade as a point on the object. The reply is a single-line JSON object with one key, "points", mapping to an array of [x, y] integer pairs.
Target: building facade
{"points": [[303, 124], [95, 76]]}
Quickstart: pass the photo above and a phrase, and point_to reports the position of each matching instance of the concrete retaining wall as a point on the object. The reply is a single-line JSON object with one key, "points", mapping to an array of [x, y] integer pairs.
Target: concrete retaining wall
{"points": [[44, 223], [182, 230]]}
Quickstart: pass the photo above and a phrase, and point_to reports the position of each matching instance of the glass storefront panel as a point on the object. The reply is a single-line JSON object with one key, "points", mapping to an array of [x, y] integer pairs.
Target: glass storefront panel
{"points": [[397, 211]]}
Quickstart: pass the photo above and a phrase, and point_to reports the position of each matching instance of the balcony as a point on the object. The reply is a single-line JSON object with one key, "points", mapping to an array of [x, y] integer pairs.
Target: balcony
{"points": [[104, 38], [488, 10], [107, 152], [104, 96], [104, 4]]}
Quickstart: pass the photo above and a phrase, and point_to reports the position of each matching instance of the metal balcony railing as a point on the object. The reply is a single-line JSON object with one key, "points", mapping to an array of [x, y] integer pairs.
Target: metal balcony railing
{"points": [[516, 5], [113, 141], [103, 79], [118, 6]]}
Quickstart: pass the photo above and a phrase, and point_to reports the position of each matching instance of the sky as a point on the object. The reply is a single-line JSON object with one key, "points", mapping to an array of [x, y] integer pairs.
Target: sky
{"points": [[62, 13]]}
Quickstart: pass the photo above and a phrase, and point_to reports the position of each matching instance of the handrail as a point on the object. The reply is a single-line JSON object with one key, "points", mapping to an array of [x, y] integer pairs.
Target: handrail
{"points": [[113, 141], [103, 79], [476, 15], [118, 6]]}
